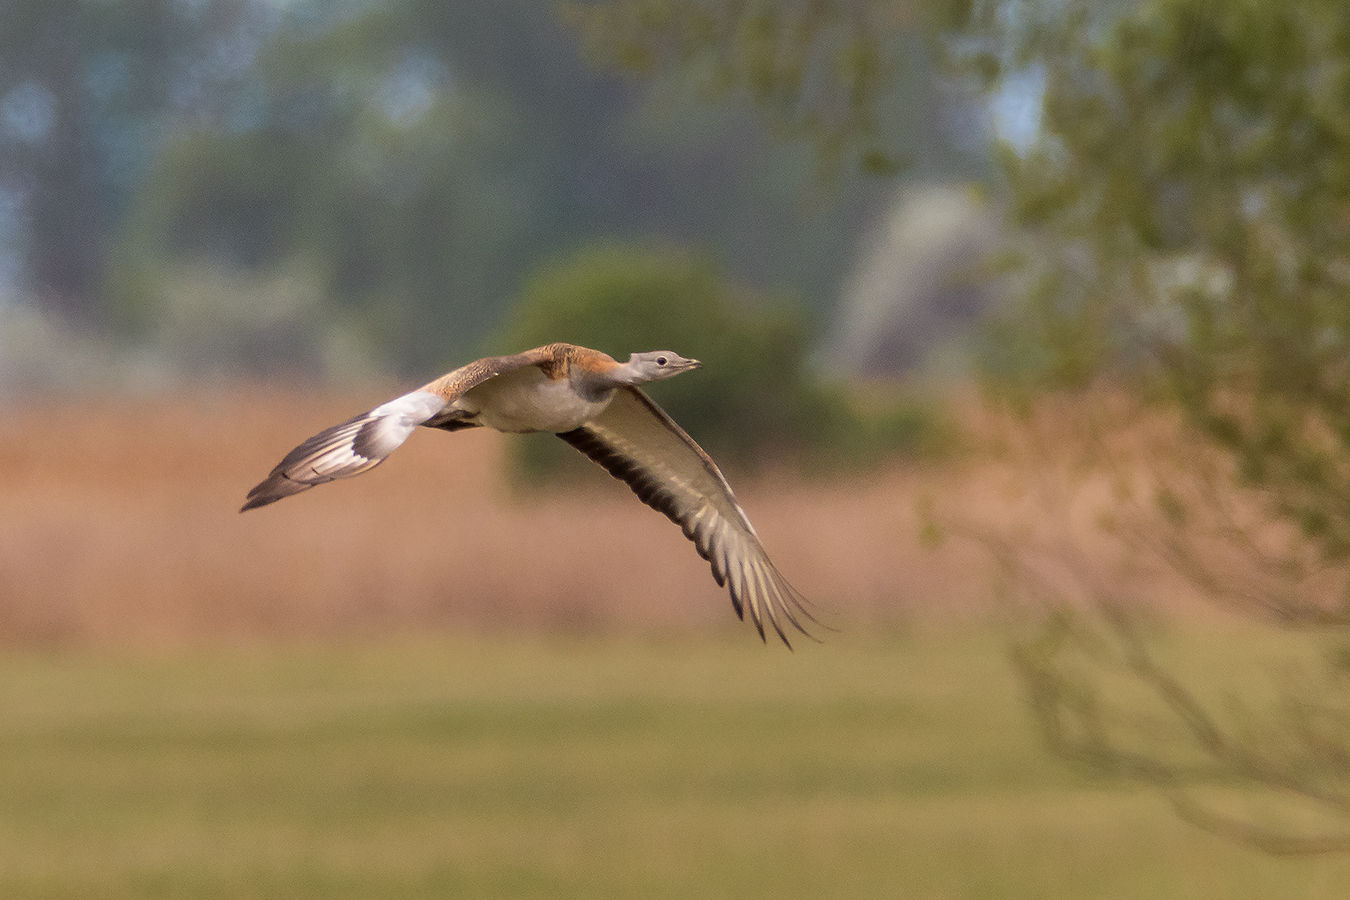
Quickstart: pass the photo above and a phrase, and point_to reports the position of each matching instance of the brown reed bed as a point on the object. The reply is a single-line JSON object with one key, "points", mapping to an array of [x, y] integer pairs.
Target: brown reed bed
{"points": [[119, 522]]}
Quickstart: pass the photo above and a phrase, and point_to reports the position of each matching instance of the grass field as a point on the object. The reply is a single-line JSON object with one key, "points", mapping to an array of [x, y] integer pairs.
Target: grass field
{"points": [[892, 766]]}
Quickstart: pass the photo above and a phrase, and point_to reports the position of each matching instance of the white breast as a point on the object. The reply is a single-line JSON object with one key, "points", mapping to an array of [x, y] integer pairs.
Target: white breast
{"points": [[527, 400]]}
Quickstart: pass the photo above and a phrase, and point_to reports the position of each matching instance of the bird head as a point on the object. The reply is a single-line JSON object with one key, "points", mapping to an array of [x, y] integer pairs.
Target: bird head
{"points": [[655, 365]]}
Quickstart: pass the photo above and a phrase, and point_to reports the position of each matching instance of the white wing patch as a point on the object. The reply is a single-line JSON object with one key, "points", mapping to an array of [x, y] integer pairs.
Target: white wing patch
{"points": [[357, 445], [391, 423]]}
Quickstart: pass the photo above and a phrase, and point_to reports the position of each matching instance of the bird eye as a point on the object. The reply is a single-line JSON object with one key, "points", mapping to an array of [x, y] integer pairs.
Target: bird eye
{"points": [[660, 360]]}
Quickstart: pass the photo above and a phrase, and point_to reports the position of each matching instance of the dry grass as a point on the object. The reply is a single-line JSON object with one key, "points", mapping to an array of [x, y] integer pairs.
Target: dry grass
{"points": [[119, 523]]}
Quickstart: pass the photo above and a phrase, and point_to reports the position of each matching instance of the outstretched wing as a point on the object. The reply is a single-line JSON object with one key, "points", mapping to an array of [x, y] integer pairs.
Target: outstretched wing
{"points": [[636, 442], [362, 442], [358, 444]]}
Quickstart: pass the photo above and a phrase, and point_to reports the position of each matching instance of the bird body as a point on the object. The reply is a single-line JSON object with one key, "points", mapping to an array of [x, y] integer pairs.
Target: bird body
{"points": [[592, 402], [528, 400]]}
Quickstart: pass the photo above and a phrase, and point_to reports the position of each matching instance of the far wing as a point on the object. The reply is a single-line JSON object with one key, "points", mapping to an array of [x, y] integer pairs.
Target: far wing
{"points": [[358, 444], [638, 443]]}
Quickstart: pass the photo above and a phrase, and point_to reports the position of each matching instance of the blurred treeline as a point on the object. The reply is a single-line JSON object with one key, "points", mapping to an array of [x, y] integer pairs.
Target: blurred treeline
{"points": [[246, 186]]}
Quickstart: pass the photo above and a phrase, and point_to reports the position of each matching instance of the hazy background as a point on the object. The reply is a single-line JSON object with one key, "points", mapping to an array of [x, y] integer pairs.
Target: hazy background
{"points": [[194, 191], [1024, 337]]}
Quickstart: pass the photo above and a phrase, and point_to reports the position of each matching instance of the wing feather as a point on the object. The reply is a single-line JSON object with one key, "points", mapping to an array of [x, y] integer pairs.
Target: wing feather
{"points": [[349, 448], [364, 441], [638, 443]]}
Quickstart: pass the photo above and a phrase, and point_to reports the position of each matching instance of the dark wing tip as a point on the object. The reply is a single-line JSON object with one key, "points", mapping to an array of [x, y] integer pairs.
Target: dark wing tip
{"points": [[275, 487], [257, 502]]}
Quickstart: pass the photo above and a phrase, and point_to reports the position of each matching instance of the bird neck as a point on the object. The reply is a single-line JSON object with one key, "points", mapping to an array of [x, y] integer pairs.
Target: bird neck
{"points": [[596, 386], [620, 374]]}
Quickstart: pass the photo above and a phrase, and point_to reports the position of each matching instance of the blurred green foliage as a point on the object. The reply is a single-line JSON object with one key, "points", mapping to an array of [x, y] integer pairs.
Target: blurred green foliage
{"points": [[415, 158], [849, 78], [384, 213], [1186, 214], [753, 403], [1183, 237], [87, 89], [1189, 207]]}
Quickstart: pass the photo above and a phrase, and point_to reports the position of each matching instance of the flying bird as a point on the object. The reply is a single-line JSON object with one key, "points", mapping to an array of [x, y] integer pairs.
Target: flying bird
{"points": [[594, 403]]}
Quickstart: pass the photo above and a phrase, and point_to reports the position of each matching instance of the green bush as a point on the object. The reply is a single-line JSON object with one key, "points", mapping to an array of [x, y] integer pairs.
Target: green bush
{"points": [[752, 403]]}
